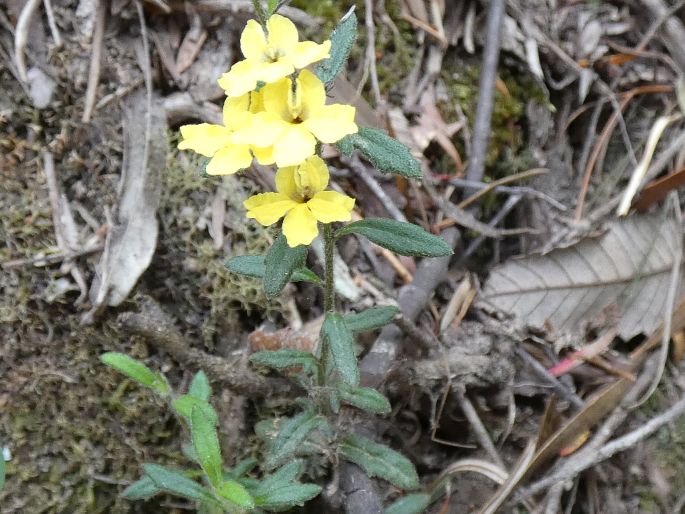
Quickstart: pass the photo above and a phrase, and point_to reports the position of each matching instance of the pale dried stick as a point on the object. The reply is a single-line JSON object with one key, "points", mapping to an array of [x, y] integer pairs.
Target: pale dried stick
{"points": [[21, 36], [371, 51], [95, 57], [477, 425], [54, 30]]}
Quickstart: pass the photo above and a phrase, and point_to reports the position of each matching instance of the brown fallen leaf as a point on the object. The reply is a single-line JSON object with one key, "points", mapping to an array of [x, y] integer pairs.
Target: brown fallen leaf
{"points": [[657, 190], [191, 45], [306, 338]]}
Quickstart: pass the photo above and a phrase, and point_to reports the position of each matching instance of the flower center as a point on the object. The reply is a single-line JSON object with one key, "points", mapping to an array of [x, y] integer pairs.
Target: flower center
{"points": [[273, 54]]}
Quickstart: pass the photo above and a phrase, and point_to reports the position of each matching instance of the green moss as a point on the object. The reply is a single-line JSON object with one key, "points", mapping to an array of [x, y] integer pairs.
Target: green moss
{"points": [[506, 151]]}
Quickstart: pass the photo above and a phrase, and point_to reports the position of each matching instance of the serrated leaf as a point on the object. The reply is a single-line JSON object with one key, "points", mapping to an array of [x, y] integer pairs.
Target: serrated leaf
{"points": [[285, 358], [253, 266], [342, 41], [290, 437], [288, 496], [176, 483], [236, 493], [380, 461], [142, 489], [627, 269], [410, 504], [370, 319], [206, 444], [283, 476], [280, 263], [364, 398], [199, 387], [135, 370], [341, 345], [399, 237], [388, 155], [183, 405]]}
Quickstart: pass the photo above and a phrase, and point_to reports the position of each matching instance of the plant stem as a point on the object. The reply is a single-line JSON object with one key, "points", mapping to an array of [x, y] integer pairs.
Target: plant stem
{"points": [[329, 291], [329, 297]]}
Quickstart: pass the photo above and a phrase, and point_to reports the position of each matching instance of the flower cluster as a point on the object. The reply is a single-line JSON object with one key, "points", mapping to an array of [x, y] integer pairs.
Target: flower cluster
{"points": [[276, 112]]}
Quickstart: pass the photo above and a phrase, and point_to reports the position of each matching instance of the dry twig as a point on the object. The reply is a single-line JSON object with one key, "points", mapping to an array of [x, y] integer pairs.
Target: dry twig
{"points": [[95, 58]]}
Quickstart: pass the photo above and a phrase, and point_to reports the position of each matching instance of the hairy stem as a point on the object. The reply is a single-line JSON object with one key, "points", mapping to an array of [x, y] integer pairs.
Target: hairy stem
{"points": [[329, 292]]}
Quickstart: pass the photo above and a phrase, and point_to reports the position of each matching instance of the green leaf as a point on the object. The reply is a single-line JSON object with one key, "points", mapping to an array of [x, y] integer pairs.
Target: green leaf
{"points": [[341, 345], [342, 41], [365, 398], [199, 387], [290, 437], [399, 237], [388, 155], [284, 358], [370, 319], [206, 444], [176, 483], [288, 496], [253, 266], [236, 493], [183, 405], [280, 263], [244, 467], [410, 504], [142, 489], [272, 5], [285, 475], [380, 461], [136, 370]]}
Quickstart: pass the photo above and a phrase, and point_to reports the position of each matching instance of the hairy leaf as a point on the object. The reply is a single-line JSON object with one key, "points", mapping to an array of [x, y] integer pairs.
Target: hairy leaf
{"points": [[290, 437], [206, 444], [285, 358], [380, 461], [288, 496], [364, 398], [385, 153], [280, 263], [236, 493], [341, 345], [626, 270], [142, 489], [281, 477], [176, 483], [183, 405], [253, 266], [342, 41], [135, 370], [400, 237], [410, 504], [370, 319], [199, 387]]}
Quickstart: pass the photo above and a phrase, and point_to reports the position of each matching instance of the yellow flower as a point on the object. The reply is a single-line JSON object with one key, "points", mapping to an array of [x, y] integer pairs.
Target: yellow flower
{"points": [[302, 200], [221, 142], [270, 57], [296, 117]]}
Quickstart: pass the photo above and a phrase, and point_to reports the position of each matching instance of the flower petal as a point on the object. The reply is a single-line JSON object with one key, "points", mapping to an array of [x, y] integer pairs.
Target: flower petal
{"points": [[332, 122], [299, 226], [235, 109], [268, 208], [264, 156], [204, 138], [311, 176], [308, 52], [230, 159], [312, 91], [276, 98], [260, 129], [241, 78], [282, 35], [270, 72], [293, 146], [285, 182], [253, 41], [330, 206]]}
